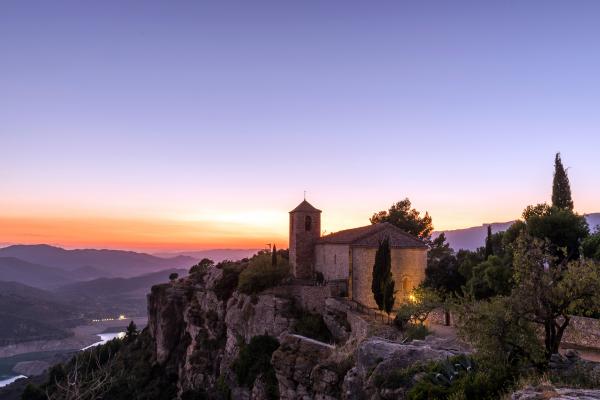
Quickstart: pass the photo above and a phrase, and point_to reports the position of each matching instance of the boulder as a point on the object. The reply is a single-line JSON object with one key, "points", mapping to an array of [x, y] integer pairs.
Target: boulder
{"points": [[299, 367]]}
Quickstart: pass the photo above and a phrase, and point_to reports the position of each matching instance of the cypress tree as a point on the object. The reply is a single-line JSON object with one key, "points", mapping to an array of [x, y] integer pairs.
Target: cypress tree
{"points": [[274, 256], [561, 189], [489, 249], [389, 294], [381, 270]]}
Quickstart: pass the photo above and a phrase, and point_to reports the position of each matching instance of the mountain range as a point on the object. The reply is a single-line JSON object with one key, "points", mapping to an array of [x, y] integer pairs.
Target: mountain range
{"points": [[83, 264], [474, 237]]}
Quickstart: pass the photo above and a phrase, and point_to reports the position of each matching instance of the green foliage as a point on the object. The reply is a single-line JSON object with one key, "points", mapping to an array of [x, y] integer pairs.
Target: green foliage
{"points": [[131, 333], [564, 229], [202, 267], [33, 392], [442, 273], [416, 309], [228, 283], [458, 377], [415, 332], [313, 326], [489, 249], [116, 370], [591, 246], [561, 189], [492, 277], [261, 274], [406, 218], [274, 256], [549, 289], [254, 360], [502, 338]]}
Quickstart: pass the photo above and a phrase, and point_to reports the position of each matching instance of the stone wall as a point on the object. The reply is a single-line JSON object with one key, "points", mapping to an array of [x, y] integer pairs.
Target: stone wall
{"points": [[408, 270], [333, 260], [302, 243], [307, 297]]}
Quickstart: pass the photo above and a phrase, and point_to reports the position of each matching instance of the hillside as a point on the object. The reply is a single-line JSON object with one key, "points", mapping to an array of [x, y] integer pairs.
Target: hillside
{"points": [[99, 263], [217, 255], [474, 237], [28, 273], [28, 313], [114, 296]]}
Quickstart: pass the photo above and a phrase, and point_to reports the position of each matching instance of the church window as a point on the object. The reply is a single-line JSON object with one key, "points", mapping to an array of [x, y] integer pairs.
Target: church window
{"points": [[307, 223]]}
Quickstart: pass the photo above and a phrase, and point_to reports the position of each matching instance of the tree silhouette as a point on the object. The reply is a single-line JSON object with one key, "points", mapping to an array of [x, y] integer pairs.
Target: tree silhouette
{"points": [[561, 189]]}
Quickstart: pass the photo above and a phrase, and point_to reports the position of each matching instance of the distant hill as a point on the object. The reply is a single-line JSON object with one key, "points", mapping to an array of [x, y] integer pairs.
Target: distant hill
{"points": [[217, 255], [115, 296], [472, 238], [92, 263], [41, 276], [28, 313], [106, 287]]}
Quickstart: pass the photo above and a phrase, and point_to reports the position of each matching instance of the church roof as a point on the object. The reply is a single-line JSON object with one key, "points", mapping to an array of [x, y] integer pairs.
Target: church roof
{"points": [[371, 235], [305, 206]]}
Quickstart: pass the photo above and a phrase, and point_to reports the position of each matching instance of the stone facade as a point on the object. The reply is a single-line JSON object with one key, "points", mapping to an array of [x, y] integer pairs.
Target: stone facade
{"points": [[332, 260], [349, 255], [408, 270]]}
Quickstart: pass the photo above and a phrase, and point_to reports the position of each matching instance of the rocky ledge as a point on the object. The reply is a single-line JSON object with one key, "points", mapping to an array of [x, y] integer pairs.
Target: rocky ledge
{"points": [[198, 329]]}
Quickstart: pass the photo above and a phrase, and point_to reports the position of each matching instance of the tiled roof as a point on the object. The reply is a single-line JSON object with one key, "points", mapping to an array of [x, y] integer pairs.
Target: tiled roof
{"points": [[305, 206], [371, 235]]}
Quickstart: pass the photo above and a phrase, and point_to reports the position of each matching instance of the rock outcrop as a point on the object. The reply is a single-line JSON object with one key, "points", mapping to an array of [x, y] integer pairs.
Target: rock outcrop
{"points": [[550, 392], [198, 329]]}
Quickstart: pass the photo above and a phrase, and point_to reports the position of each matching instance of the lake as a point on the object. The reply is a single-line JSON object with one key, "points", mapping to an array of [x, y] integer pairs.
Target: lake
{"points": [[105, 337], [6, 364]]}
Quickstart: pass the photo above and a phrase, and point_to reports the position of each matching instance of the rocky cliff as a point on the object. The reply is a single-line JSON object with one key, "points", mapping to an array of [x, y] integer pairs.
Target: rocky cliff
{"points": [[198, 327]]}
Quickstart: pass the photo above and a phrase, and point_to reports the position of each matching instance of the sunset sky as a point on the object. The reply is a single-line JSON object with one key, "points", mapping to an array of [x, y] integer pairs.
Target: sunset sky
{"points": [[188, 125]]}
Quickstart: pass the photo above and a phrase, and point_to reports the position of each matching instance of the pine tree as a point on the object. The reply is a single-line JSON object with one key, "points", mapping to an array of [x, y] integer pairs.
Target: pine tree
{"points": [[489, 249], [131, 332], [274, 256], [381, 273], [561, 189]]}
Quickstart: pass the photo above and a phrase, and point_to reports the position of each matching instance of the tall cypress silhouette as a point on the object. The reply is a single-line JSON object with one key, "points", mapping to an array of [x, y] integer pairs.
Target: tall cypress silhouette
{"points": [[561, 189], [381, 271], [489, 250], [274, 256]]}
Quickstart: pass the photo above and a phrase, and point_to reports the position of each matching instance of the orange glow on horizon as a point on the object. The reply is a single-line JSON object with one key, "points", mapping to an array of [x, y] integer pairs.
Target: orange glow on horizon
{"points": [[134, 234]]}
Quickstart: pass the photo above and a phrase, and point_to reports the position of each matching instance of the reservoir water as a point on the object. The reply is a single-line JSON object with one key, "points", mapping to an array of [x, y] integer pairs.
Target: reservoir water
{"points": [[105, 337], [7, 376]]}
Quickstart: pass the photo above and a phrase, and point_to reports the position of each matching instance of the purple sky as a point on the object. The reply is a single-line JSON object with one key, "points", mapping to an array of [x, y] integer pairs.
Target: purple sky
{"points": [[222, 113]]}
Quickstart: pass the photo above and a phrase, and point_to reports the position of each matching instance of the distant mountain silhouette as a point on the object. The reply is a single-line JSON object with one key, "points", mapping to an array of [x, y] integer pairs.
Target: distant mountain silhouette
{"points": [[41, 276], [28, 313], [106, 287], [217, 255], [474, 237], [115, 296], [92, 263]]}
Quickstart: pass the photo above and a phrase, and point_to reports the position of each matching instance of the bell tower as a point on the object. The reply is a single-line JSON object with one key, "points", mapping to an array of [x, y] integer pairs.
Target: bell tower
{"points": [[305, 230]]}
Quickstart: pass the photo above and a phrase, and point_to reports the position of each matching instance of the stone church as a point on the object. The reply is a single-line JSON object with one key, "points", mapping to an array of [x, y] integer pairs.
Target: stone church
{"points": [[347, 257]]}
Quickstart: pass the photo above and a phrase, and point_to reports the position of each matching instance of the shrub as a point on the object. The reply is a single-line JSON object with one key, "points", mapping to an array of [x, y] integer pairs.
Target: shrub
{"points": [[199, 270], [225, 287], [261, 274], [416, 310], [173, 276], [254, 360], [313, 326], [416, 332]]}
